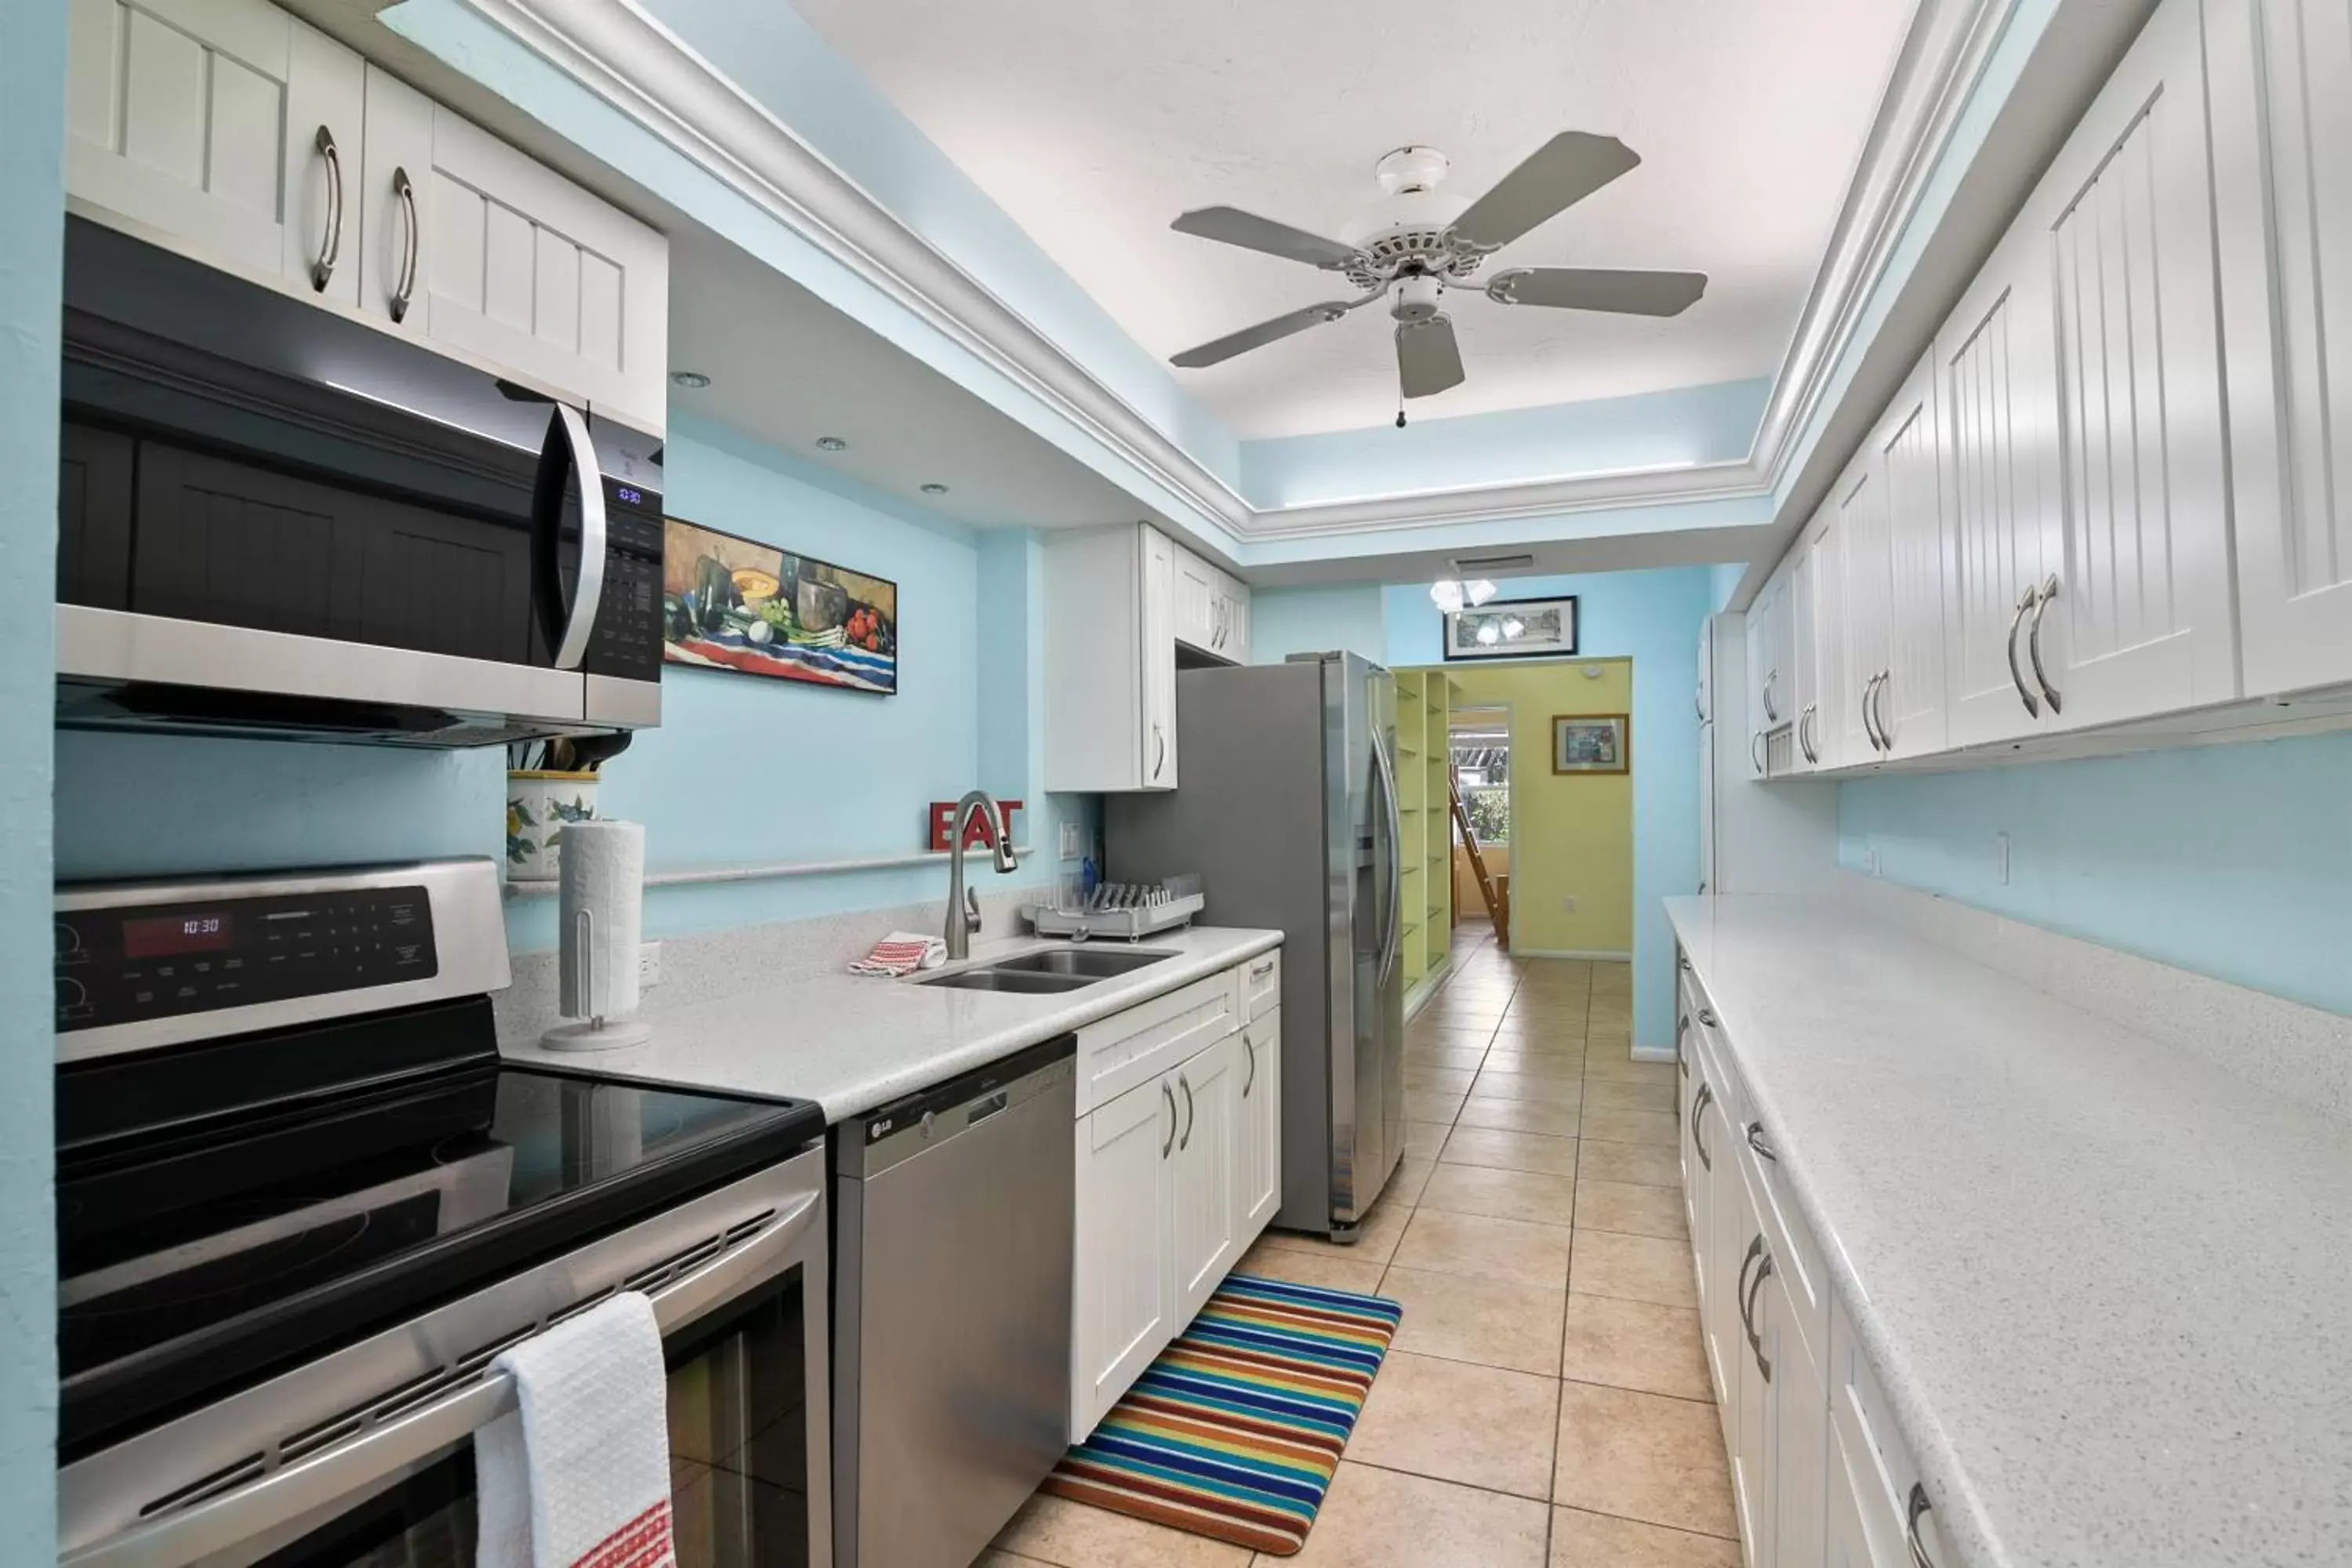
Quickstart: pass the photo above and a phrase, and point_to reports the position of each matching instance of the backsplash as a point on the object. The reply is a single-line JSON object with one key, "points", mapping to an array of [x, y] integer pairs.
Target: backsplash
{"points": [[2232, 861]]}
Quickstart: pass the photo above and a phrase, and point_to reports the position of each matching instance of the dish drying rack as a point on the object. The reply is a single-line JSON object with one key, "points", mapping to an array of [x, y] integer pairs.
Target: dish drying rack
{"points": [[1131, 911]]}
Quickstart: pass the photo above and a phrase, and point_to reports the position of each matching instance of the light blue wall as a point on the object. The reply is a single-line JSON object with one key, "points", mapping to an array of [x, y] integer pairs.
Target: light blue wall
{"points": [[32, 126], [1660, 429], [1284, 621], [2233, 861], [1652, 618], [739, 770]]}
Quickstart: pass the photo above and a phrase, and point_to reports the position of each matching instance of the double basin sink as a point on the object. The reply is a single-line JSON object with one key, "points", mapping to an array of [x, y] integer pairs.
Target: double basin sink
{"points": [[1053, 970]]}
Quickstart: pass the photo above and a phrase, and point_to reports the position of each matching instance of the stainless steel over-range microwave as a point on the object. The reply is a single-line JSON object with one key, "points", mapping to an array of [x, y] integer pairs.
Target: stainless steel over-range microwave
{"points": [[276, 521]]}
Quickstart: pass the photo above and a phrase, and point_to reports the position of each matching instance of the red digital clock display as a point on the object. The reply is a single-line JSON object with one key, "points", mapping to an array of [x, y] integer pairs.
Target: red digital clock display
{"points": [[166, 936]]}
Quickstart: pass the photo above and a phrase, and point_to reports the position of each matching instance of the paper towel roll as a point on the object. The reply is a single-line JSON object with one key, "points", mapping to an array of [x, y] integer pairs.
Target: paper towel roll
{"points": [[601, 888]]}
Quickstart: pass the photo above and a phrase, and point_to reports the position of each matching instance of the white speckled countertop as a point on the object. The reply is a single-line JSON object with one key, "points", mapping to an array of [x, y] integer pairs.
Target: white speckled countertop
{"points": [[853, 1042], [2106, 1284]]}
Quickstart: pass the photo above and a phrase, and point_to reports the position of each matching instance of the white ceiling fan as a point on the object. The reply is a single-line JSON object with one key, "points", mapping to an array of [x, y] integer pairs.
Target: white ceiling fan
{"points": [[1419, 242]]}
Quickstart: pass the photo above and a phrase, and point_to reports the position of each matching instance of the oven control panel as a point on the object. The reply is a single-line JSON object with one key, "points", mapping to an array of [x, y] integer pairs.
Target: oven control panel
{"points": [[129, 963]]}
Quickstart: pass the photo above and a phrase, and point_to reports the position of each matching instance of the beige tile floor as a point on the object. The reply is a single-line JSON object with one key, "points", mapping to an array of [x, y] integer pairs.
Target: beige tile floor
{"points": [[1545, 1404]]}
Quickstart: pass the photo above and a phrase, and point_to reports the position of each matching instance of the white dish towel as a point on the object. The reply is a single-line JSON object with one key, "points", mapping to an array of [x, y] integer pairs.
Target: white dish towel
{"points": [[578, 1477]]}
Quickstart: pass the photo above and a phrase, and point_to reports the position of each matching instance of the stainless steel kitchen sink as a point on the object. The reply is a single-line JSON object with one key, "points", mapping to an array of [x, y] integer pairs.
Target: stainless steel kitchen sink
{"points": [[1094, 963], [1031, 983]]}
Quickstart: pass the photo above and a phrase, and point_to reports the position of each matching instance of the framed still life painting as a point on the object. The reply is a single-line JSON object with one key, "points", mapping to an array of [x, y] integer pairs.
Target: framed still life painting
{"points": [[1592, 742], [730, 603]]}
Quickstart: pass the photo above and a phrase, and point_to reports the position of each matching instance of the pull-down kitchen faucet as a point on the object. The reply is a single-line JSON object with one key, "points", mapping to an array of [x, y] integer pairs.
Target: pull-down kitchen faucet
{"points": [[963, 908]]}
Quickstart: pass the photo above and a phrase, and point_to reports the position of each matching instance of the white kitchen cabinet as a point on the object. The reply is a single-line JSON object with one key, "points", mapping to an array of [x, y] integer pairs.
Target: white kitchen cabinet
{"points": [[1195, 611], [1233, 619], [1110, 660], [1259, 1192], [1815, 607], [1769, 709], [528, 270], [1873, 1468], [1998, 400], [1860, 516], [1125, 1296], [1796, 1432], [396, 218], [1179, 1169], [2281, 97], [2138, 616], [1908, 708], [1208, 1170], [206, 124]]}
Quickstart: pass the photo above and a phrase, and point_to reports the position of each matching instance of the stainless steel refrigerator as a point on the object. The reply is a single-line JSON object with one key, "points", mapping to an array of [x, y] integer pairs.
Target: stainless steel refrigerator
{"points": [[1287, 807]]}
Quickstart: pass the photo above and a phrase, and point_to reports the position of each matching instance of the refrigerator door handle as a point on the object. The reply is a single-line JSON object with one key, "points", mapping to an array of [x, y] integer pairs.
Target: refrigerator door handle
{"points": [[1390, 940]]}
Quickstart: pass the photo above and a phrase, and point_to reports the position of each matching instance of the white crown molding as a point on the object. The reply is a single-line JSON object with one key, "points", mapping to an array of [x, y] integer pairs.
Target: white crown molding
{"points": [[642, 68]]}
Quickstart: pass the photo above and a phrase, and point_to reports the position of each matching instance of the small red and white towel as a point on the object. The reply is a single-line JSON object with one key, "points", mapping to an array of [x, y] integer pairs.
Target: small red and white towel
{"points": [[902, 953], [578, 1476]]}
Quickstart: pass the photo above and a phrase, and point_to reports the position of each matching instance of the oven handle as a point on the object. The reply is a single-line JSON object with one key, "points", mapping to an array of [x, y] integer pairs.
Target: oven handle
{"points": [[574, 452], [287, 1493]]}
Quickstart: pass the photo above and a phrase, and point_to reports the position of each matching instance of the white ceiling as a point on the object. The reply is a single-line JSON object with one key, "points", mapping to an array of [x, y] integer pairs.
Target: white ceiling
{"points": [[1094, 123], [787, 368]]}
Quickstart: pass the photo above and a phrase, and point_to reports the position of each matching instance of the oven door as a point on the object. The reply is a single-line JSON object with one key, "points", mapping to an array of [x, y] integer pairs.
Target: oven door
{"points": [[366, 1456]]}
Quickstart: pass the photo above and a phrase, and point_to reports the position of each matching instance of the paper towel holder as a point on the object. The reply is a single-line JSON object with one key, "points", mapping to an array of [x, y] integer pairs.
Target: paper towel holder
{"points": [[595, 1032]]}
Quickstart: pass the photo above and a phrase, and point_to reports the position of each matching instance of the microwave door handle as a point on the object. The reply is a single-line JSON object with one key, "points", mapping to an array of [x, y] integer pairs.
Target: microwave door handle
{"points": [[379, 1452], [567, 451]]}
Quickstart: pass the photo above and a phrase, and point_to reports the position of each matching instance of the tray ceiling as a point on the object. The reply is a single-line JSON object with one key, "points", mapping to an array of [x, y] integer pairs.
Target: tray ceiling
{"points": [[1092, 125]]}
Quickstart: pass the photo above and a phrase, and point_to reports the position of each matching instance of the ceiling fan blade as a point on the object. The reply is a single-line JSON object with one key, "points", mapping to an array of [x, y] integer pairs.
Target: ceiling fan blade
{"points": [[1231, 226], [1599, 289], [1428, 359], [1554, 177], [1221, 348]]}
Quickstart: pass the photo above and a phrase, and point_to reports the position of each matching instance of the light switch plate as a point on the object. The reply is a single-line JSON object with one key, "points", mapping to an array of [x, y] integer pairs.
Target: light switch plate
{"points": [[1568, 903], [1073, 840], [2000, 857], [648, 964]]}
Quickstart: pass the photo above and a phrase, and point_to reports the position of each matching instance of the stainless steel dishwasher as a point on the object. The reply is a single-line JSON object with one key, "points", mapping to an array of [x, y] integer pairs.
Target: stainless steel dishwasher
{"points": [[951, 1323]]}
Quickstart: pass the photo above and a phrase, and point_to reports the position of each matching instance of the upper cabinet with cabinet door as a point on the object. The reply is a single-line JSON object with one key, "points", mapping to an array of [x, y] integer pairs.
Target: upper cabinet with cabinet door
{"points": [[2138, 615], [225, 126], [1211, 609], [232, 132], [1813, 609], [2281, 95], [1110, 660]]}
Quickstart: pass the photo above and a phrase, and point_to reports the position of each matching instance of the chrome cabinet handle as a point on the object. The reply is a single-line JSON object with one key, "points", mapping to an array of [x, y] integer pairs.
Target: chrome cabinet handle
{"points": [[1698, 703], [1170, 1141], [1161, 739], [1886, 735], [1919, 1505], [1748, 1312], [414, 232], [1186, 1085], [1682, 1027], [1706, 1017], [2025, 602], [1771, 711], [1740, 1287], [1263, 970], [1251, 1046], [331, 248], [1698, 1108], [1756, 749], [1756, 1141], [1685, 963], [2034, 643], [1869, 729]]}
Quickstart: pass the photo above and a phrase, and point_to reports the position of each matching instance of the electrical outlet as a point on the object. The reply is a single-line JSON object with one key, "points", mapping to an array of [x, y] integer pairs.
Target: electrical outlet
{"points": [[1568, 904], [648, 964], [2000, 857], [1073, 840], [1870, 860]]}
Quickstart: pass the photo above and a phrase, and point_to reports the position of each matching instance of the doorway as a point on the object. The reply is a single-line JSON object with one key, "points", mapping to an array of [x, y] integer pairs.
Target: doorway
{"points": [[1481, 746]]}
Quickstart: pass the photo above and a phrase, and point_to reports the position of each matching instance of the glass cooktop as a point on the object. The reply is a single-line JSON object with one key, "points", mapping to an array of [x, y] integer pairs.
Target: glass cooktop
{"points": [[225, 1212]]}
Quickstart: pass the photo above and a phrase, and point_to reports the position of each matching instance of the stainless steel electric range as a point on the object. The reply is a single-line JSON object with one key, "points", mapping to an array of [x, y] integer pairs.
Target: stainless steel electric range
{"points": [[301, 1205]]}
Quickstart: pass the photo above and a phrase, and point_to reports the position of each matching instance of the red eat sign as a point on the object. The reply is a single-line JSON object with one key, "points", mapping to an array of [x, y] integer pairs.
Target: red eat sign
{"points": [[975, 834]]}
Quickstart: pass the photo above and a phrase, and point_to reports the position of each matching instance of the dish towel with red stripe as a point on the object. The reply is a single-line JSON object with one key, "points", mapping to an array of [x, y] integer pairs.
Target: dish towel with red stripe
{"points": [[578, 1475], [902, 953]]}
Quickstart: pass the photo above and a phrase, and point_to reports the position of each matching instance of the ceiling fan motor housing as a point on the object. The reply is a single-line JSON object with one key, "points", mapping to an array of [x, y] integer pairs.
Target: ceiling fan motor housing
{"points": [[1415, 298]]}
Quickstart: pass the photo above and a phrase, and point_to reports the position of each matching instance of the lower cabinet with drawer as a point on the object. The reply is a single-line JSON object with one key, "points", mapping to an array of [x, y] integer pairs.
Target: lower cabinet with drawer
{"points": [[1179, 1153], [1819, 1477]]}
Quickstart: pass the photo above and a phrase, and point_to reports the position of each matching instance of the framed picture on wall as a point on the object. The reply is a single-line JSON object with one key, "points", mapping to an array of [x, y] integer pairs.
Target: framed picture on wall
{"points": [[1592, 743], [1512, 628], [730, 603]]}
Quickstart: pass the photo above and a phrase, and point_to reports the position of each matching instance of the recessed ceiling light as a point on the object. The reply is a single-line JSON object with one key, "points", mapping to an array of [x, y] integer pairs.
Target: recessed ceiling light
{"points": [[935, 488], [830, 444], [692, 380]]}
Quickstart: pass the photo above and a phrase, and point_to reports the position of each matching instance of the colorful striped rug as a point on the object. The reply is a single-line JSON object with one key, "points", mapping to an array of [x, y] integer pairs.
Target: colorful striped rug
{"points": [[1234, 1431]]}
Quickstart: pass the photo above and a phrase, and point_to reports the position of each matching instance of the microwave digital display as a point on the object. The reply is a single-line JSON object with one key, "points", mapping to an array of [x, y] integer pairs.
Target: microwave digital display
{"points": [[166, 936]]}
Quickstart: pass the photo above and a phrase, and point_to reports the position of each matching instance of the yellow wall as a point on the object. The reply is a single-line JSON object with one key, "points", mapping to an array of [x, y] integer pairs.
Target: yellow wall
{"points": [[1572, 834]]}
